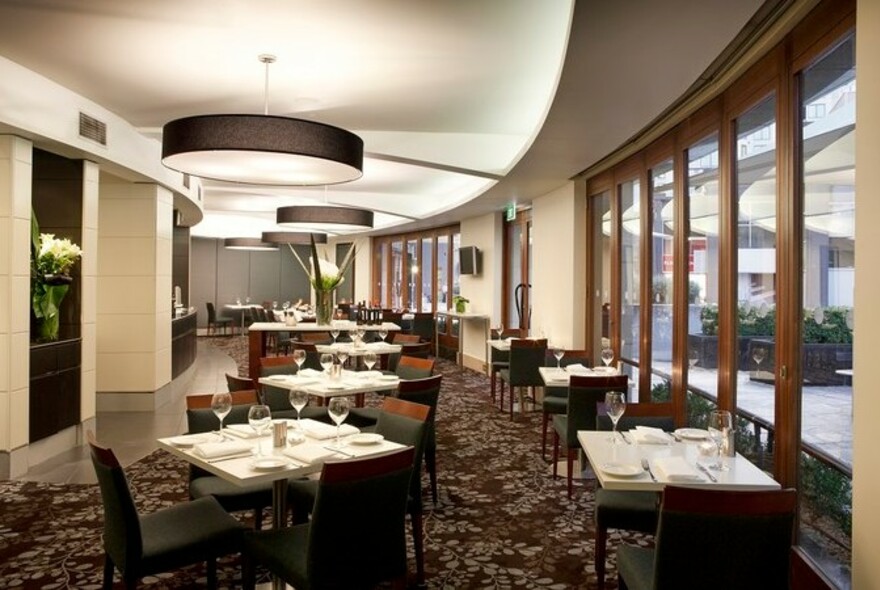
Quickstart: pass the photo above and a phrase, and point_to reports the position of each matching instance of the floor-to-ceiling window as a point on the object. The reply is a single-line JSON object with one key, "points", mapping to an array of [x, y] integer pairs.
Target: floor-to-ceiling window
{"points": [[600, 296], [517, 273], [752, 247]]}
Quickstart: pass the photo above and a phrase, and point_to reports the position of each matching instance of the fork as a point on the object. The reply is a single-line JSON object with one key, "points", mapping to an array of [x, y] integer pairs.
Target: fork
{"points": [[647, 467]]}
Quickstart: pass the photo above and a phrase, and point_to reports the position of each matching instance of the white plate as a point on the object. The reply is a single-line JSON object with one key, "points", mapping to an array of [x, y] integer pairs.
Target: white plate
{"points": [[692, 433], [622, 469], [365, 438], [294, 438], [269, 463], [185, 442]]}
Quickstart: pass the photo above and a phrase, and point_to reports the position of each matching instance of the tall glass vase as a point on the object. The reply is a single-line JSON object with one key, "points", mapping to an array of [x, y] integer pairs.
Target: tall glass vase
{"points": [[323, 307]]}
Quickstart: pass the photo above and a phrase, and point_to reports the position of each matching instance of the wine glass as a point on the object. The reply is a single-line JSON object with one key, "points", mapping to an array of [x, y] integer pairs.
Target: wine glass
{"points": [[499, 330], [693, 358], [615, 405], [370, 359], [298, 399], [299, 357], [338, 410], [285, 305], [758, 355], [719, 427], [259, 417], [558, 352], [607, 356], [335, 333], [342, 356], [327, 362], [221, 404], [383, 333]]}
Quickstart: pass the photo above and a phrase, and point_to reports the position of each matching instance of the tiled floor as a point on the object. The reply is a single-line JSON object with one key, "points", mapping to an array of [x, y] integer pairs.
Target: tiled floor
{"points": [[132, 435]]}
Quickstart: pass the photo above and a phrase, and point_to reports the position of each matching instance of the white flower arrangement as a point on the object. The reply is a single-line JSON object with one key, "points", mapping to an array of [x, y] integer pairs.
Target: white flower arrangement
{"points": [[326, 276], [55, 256]]}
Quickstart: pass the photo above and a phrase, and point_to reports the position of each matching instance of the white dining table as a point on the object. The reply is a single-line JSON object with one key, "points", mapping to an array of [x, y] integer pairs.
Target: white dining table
{"points": [[321, 386], [561, 377], [355, 350], [613, 463], [240, 469]]}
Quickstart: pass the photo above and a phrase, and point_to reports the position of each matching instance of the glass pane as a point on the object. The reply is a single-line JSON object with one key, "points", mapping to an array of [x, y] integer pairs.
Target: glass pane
{"points": [[514, 270], [396, 274], [828, 109], [756, 279], [427, 272], [442, 270], [412, 274], [456, 271], [662, 205], [702, 190], [630, 245], [601, 251], [381, 254]]}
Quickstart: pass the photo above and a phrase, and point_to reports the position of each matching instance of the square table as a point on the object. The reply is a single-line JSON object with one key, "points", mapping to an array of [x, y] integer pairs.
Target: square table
{"points": [[324, 388], [743, 474]]}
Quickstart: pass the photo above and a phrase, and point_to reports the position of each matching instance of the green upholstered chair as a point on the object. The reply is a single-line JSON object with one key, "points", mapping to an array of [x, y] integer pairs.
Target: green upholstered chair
{"points": [[499, 359], [583, 394], [365, 497], [215, 321], [625, 509], [236, 383], [724, 540], [526, 357], [556, 398], [402, 422], [140, 545]]}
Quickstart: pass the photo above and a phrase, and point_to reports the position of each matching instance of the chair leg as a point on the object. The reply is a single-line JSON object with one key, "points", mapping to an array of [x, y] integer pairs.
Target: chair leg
{"points": [[555, 453], [108, 572], [211, 566], [599, 551], [501, 395], [545, 420], [248, 572], [492, 382], [569, 460], [431, 468], [419, 544]]}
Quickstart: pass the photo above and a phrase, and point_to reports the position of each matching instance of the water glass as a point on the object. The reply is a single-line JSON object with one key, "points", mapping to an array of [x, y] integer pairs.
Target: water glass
{"points": [[615, 406], [299, 357], [299, 399], [338, 410], [326, 362], [720, 426], [221, 405], [607, 356], [370, 360], [260, 418], [558, 352]]}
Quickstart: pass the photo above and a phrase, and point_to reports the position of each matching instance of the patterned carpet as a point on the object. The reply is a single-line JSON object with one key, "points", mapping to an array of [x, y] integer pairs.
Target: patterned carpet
{"points": [[501, 520]]}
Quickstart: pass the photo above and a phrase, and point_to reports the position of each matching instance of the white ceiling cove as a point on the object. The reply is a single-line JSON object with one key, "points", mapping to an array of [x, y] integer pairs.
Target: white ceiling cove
{"points": [[463, 105]]}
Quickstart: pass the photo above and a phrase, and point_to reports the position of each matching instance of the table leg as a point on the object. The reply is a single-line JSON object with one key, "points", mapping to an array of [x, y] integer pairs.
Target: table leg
{"points": [[256, 350], [279, 518]]}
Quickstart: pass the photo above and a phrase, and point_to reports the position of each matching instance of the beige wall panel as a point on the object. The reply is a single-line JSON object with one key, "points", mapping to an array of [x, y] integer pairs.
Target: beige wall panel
{"points": [[131, 256], [123, 295], [129, 333], [122, 372]]}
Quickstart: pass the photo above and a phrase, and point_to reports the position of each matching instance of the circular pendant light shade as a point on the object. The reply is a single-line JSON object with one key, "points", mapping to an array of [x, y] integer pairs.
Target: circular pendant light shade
{"points": [[254, 244], [262, 149], [340, 218], [292, 237]]}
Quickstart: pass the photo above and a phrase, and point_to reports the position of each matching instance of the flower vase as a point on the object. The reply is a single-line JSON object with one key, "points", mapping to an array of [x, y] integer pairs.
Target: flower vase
{"points": [[323, 307], [48, 327]]}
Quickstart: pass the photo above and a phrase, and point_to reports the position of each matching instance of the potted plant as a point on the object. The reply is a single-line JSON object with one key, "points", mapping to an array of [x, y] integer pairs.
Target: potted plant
{"points": [[460, 303], [51, 260]]}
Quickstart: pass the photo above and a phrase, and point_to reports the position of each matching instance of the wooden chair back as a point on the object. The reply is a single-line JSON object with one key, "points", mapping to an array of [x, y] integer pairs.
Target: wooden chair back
{"points": [[401, 407], [236, 383], [203, 400], [316, 337], [410, 367], [400, 338]]}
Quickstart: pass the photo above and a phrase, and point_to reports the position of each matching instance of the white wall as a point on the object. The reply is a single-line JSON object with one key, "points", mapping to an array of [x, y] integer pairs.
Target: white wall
{"points": [[482, 290], [866, 402], [558, 263]]}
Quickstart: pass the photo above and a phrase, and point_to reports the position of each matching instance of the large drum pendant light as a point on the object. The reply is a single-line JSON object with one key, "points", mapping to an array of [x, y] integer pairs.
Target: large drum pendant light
{"points": [[317, 216], [253, 244], [292, 237], [262, 149]]}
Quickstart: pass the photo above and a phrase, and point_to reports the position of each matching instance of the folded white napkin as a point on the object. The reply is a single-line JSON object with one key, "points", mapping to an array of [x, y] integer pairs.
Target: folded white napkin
{"points": [[323, 431], [310, 373], [241, 430], [646, 435], [214, 450], [308, 454], [675, 469], [576, 368]]}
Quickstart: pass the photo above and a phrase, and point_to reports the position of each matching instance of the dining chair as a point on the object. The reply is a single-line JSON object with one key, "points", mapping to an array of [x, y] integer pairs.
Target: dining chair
{"points": [[499, 359], [411, 367], [719, 539], [400, 338], [214, 321], [139, 545], [403, 422], [424, 325], [346, 544], [526, 356], [278, 397], [236, 383], [316, 337], [232, 497], [626, 509], [583, 394], [555, 399]]}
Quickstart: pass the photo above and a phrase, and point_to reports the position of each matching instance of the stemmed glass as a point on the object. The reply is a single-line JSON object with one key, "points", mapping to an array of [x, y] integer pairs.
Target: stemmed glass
{"points": [[259, 417], [607, 356], [338, 410], [326, 362], [369, 360], [758, 355], [615, 405], [719, 427], [342, 356], [221, 404], [298, 399], [383, 333], [499, 331], [335, 333], [299, 357], [285, 305], [558, 352]]}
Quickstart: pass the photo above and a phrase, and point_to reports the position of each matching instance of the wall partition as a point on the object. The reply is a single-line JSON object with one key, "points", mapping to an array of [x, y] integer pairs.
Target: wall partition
{"points": [[729, 245]]}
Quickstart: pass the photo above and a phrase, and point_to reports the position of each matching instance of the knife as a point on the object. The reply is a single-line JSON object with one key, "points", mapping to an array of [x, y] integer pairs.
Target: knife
{"points": [[343, 453], [708, 473], [226, 457]]}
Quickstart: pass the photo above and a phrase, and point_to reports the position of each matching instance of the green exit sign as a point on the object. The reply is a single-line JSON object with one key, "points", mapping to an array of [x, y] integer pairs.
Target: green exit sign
{"points": [[510, 213]]}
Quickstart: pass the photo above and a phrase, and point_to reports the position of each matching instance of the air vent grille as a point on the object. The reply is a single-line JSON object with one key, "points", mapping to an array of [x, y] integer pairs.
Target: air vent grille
{"points": [[93, 129]]}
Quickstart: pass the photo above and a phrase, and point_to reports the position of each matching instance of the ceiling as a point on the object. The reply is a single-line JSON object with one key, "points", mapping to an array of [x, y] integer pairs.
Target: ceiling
{"points": [[464, 106]]}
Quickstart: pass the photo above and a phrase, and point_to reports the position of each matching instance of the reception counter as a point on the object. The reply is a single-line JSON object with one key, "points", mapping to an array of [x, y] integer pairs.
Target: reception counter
{"points": [[183, 343]]}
